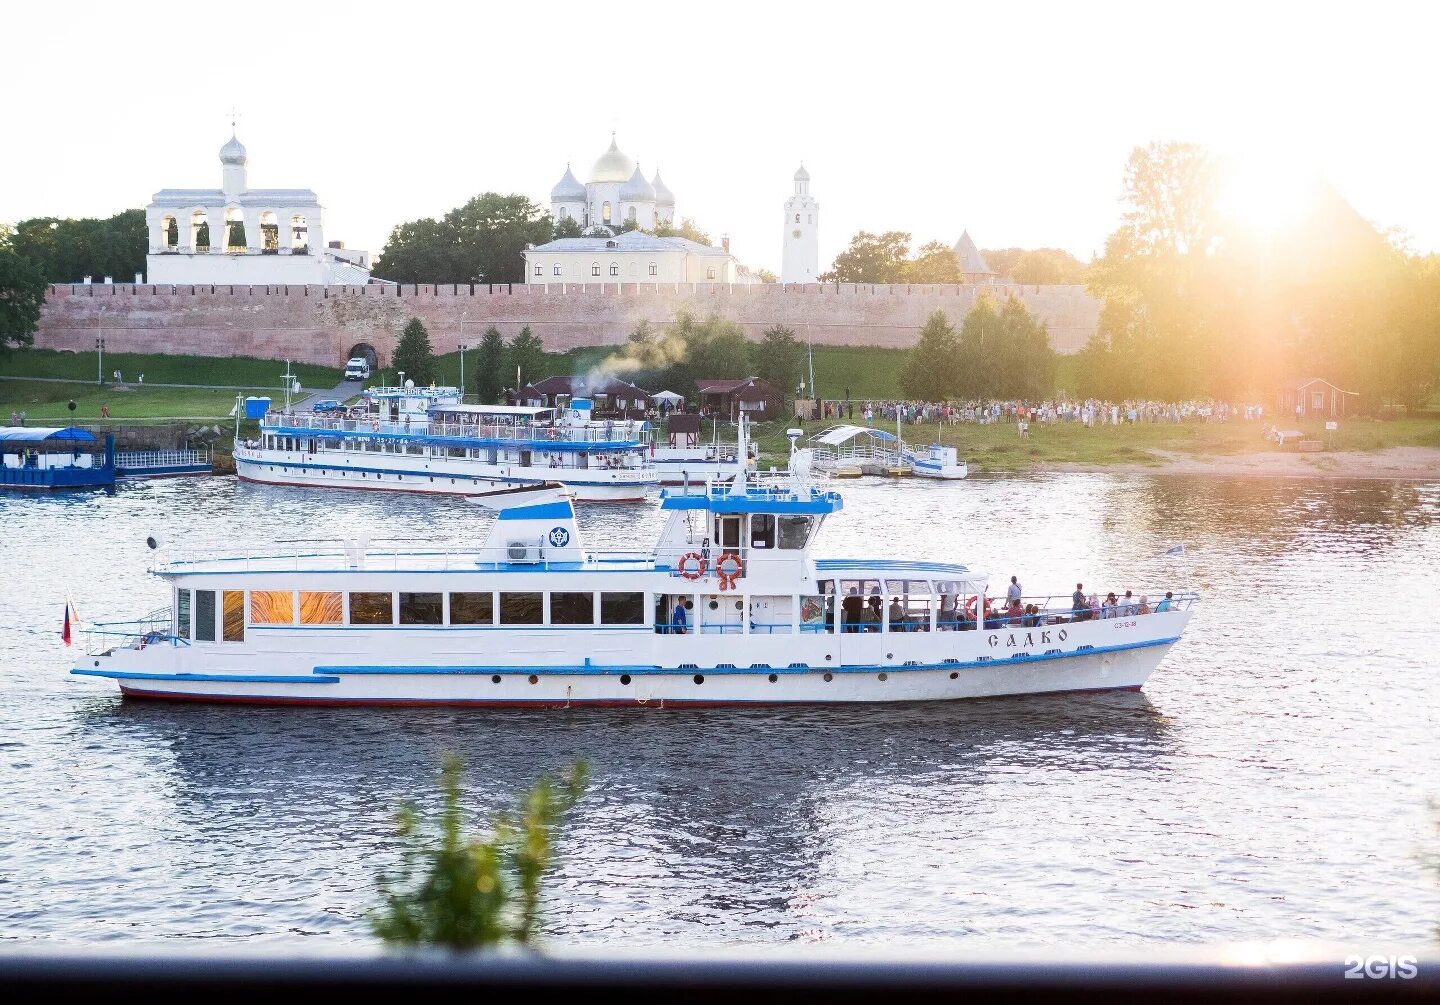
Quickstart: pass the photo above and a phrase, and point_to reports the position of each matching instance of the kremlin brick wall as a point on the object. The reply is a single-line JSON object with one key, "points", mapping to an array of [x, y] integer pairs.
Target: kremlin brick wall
{"points": [[321, 324]]}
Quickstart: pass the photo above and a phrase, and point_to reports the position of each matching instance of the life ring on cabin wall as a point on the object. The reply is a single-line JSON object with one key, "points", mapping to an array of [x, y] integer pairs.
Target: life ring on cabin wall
{"points": [[729, 568], [970, 608], [700, 565]]}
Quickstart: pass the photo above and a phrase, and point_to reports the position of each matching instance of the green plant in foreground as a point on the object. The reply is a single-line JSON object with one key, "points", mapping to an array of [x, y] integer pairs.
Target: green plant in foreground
{"points": [[468, 894]]}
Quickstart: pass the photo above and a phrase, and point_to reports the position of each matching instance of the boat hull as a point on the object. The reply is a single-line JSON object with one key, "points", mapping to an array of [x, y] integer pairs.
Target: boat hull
{"points": [[1121, 667]]}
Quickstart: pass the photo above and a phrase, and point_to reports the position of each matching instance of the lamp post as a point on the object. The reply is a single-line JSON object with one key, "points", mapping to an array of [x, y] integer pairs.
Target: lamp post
{"points": [[464, 347], [99, 350]]}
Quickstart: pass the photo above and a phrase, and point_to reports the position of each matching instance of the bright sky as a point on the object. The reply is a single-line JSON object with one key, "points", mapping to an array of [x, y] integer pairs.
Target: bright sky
{"points": [[1011, 119]]}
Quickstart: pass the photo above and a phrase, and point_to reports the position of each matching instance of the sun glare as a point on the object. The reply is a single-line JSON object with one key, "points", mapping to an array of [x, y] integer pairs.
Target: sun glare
{"points": [[1265, 195]]}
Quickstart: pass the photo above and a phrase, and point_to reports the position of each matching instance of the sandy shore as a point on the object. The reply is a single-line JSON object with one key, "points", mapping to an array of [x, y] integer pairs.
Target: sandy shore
{"points": [[1414, 463]]}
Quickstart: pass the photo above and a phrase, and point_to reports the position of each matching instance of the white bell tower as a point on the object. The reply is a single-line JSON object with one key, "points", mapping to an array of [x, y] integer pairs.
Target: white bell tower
{"points": [[801, 260]]}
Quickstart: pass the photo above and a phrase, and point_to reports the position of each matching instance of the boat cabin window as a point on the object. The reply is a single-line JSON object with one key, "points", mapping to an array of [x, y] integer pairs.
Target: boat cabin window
{"points": [[322, 608], [204, 615], [371, 609], [521, 609], [272, 607], [861, 605], [762, 530], [572, 608], [421, 609], [907, 604], [472, 609], [622, 608], [816, 613], [234, 620], [182, 613], [794, 530]]}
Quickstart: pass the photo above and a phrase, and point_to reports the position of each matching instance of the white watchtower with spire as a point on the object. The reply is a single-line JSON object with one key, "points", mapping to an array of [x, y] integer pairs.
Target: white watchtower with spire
{"points": [[801, 260]]}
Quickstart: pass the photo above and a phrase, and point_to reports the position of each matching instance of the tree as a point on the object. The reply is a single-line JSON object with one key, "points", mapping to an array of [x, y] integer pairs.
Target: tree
{"points": [[1037, 266], [527, 353], [237, 234], [779, 357], [872, 258], [566, 227], [930, 372], [766, 276], [688, 229], [934, 263], [22, 292], [470, 893], [66, 251], [413, 355], [482, 241], [490, 367]]}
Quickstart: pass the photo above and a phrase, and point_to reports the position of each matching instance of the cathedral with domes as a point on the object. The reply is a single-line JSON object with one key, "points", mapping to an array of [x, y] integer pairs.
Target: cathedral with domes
{"points": [[616, 193]]}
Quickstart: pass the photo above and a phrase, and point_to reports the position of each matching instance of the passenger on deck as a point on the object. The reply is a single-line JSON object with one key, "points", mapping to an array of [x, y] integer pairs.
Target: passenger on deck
{"points": [[853, 608], [873, 611], [1164, 605], [1094, 607], [1013, 593], [678, 619], [1014, 612], [1108, 609], [1127, 605], [1080, 611], [1144, 606], [897, 616], [946, 622]]}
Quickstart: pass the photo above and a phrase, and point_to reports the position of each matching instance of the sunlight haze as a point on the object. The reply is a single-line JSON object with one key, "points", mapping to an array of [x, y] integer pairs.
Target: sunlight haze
{"points": [[1013, 121]]}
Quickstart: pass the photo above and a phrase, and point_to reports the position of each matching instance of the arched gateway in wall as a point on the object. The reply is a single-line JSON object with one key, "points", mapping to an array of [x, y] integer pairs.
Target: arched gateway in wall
{"points": [[365, 351]]}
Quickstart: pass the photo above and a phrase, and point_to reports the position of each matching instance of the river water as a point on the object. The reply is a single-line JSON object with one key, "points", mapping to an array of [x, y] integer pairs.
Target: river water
{"points": [[1276, 778]]}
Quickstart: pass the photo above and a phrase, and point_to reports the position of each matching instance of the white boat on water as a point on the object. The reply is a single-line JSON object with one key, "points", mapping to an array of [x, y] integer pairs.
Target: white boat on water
{"points": [[730, 607], [411, 439], [938, 461]]}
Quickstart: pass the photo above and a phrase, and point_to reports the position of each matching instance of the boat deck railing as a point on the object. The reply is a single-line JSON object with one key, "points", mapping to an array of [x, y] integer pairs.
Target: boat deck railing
{"points": [[160, 458], [598, 432], [152, 629], [1049, 610]]}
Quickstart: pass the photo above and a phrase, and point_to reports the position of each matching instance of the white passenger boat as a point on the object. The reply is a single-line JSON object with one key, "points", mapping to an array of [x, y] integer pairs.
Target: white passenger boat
{"points": [[937, 461], [410, 439], [729, 608]]}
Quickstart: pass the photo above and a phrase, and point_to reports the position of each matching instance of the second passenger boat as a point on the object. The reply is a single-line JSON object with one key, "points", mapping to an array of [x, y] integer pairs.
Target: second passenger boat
{"points": [[410, 439]]}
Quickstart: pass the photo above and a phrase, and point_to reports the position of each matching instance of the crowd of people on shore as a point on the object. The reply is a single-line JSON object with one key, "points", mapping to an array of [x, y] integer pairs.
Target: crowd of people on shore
{"points": [[1089, 412]]}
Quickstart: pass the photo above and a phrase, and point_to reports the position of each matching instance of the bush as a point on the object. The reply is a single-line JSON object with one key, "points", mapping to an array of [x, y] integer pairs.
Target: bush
{"points": [[468, 894]]}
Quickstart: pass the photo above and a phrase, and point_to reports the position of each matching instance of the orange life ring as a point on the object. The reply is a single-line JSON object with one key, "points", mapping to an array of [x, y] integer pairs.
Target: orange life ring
{"points": [[970, 608], [736, 566], [700, 565]]}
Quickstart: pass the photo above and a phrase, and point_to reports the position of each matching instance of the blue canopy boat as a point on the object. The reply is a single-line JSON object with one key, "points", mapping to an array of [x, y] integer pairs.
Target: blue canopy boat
{"points": [[51, 457]]}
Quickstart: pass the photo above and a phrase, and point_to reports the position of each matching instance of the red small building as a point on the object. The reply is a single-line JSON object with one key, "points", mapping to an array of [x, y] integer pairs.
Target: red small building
{"points": [[1312, 398], [755, 396], [612, 396]]}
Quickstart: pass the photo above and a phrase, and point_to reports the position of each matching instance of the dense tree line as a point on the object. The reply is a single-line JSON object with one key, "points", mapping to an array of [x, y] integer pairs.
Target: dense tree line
{"points": [[66, 251], [482, 241], [689, 349], [1036, 266], [1001, 352], [1197, 304]]}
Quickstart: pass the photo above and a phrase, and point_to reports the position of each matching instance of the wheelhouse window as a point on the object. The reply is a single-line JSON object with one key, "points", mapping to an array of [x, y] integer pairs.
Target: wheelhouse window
{"points": [[421, 609], [321, 608], [762, 530], [521, 609], [794, 530], [472, 609], [622, 608], [371, 609], [572, 608], [234, 620], [272, 607], [204, 615], [182, 613]]}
